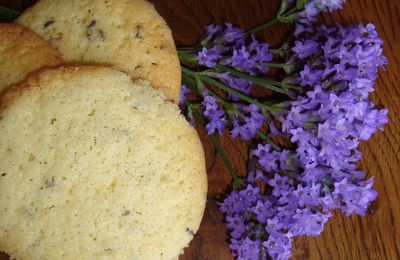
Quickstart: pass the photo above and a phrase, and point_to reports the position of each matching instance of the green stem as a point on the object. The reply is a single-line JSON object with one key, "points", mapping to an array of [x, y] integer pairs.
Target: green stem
{"points": [[228, 89], [266, 138], [291, 11], [269, 23], [183, 56], [222, 101], [262, 82], [262, 26], [218, 148], [191, 83], [237, 93], [275, 65], [272, 85], [274, 51]]}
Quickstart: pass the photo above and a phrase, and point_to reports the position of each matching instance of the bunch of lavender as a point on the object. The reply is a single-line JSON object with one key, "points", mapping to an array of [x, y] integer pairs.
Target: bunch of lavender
{"points": [[325, 113]]}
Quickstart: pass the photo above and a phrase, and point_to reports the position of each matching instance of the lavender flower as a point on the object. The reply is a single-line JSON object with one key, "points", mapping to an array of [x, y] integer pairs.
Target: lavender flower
{"points": [[266, 159], [209, 57], [216, 117], [337, 67], [212, 32], [240, 84], [291, 192], [330, 5], [306, 48], [247, 122], [232, 36], [313, 7], [249, 58], [354, 198], [246, 248], [279, 246], [184, 92], [228, 46], [335, 115]]}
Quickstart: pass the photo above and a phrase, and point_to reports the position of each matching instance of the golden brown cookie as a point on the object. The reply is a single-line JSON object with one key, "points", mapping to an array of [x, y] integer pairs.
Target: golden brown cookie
{"points": [[128, 34], [22, 52], [93, 166]]}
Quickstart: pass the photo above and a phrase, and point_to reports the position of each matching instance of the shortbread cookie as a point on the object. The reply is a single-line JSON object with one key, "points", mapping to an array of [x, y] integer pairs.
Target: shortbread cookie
{"points": [[128, 34], [93, 166], [22, 52]]}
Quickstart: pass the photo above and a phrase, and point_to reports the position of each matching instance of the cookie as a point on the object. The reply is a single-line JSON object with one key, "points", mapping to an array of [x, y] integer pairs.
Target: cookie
{"points": [[22, 52], [128, 34], [93, 166]]}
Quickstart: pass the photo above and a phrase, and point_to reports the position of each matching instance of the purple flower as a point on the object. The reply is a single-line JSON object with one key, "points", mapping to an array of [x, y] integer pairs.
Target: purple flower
{"points": [[241, 58], [227, 45], [306, 48], [354, 198], [279, 246], [212, 31], [291, 192], [308, 223], [209, 57], [261, 55], [273, 129], [330, 5], [245, 249], [255, 175], [184, 92], [216, 117], [236, 224], [232, 35], [248, 122], [279, 183], [251, 193], [310, 12], [303, 26], [328, 123], [240, 84], [266, 157], [313, 7], [361, 86], [274, 225], [263, 211], [310, 77], [251, 58], [307, 194], [373, 119], [240, 201]]}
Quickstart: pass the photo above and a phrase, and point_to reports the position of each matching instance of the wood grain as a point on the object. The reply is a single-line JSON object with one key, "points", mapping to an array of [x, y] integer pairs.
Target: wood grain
{"points": [[375, 236]]}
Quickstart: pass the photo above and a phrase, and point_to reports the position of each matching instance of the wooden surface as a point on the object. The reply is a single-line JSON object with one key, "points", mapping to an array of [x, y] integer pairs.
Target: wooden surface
{"points": [[376, 236]]}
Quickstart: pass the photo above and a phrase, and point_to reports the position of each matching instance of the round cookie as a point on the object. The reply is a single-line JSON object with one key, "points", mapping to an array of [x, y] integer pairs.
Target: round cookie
{"points": [[128, 34], [93, 166], [22, 52]]}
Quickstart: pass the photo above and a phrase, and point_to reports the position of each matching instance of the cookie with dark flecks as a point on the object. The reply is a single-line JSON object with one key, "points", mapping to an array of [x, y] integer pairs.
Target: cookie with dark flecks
{"points": [[21, 52], [130, 35], [93, 166]]}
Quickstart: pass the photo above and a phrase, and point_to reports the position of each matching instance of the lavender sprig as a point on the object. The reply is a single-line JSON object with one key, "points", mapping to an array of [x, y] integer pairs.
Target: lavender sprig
{"points": [[324, 111], [303, 12], [237, 182]]}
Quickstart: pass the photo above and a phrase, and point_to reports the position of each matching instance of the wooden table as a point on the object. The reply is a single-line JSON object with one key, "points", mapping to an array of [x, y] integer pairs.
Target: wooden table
{"points": [[376, 236]]}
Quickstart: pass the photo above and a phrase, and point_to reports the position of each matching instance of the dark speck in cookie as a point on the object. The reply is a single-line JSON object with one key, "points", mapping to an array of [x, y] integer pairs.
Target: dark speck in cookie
{"points": [[92, 24], [48, 23]]}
